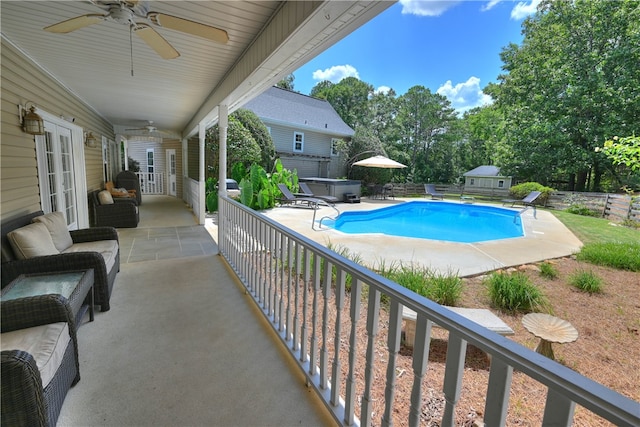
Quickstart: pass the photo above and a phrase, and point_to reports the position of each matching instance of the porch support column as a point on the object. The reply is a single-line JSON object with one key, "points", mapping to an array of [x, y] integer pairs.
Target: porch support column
{"points": [[201, 184], [223, 124]]}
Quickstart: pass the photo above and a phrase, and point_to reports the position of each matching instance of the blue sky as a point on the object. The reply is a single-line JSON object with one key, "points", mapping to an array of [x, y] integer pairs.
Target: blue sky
{"points": [[451, 47]]}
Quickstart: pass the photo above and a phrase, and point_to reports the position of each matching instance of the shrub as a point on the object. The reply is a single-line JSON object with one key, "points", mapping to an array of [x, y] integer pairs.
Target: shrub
{"points": [[515, 292], [520, 191], [584, 210], [586, 281], [412, 277], [623, 256], [445, 289], [548, 270]]}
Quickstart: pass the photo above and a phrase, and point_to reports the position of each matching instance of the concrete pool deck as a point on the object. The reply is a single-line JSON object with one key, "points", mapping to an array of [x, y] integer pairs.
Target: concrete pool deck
{"points": [[545, 238]]}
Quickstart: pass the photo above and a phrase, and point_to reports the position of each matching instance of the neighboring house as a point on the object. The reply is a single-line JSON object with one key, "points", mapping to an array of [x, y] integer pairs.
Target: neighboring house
{"points": [[305, 131], [485, 177]]}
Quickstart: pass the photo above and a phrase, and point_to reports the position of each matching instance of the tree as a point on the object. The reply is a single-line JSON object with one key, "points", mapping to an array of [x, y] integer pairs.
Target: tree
{"points": [[424, 119], [573, 83], [349, 98], [241, 146], [260, 134], [623, 151], [286, 83]]}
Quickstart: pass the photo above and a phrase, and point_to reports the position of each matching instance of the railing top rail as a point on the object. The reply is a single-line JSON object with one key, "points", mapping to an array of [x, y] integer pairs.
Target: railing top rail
{"points": [[592, 395]]}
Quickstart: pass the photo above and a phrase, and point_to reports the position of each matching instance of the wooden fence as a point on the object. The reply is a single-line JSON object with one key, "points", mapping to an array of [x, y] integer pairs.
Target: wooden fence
{"points": [[617, 207]]}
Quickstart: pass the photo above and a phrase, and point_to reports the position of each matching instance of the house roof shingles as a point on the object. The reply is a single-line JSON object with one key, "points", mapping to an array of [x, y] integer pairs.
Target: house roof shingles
{"points": [[294, 109], [484, 171]]}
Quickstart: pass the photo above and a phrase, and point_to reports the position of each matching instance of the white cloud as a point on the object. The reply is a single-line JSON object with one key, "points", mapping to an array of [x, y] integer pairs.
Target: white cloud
{"points": [[524, 9], [427, 7], [490, 5], [383, 89], [465, 96], [336, 73]]}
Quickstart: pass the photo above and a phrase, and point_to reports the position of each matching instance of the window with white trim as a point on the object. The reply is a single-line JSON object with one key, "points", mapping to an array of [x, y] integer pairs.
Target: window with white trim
{"points": [[298, 142], [501, 183], [334, 147]]}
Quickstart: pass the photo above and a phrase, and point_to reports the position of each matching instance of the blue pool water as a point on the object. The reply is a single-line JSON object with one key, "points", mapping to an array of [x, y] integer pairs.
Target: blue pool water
{"points": [[454, 222]]}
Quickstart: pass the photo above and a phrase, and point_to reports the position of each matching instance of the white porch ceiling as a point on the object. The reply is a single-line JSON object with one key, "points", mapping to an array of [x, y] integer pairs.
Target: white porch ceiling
{"points": [[267, 40]]}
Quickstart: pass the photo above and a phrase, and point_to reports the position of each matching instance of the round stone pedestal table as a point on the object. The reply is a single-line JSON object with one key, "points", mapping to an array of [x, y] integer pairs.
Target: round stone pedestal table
{"points": [[549, 329]]}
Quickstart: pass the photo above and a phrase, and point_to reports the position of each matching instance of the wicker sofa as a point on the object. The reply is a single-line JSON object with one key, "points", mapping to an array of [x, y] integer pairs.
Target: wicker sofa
{"points": [[39, 359], [95, 248]]}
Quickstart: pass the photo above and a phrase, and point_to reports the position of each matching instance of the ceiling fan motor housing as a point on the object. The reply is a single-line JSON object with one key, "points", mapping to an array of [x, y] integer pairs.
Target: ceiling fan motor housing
{"points": [[121, 15]]}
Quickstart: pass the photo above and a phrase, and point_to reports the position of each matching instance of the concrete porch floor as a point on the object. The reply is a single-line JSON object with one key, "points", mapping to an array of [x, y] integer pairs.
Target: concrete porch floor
{"points": [[182, 344]]}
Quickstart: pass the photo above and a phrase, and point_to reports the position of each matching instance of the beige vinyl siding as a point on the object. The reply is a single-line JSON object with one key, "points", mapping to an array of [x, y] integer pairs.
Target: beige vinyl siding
{"points": [[23, 81]]}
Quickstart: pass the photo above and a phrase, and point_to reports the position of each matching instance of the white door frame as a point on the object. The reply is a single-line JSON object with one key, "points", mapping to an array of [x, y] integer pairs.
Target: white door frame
{"points": [[79, 168], [172, 183]]}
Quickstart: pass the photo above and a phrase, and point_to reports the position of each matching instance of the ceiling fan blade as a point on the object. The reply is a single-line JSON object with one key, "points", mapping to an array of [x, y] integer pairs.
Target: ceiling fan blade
{"points": [[189, 27], [156, 41], [76, 23]]}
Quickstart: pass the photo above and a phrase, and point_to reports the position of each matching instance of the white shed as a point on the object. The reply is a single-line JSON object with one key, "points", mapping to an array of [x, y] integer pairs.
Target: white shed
{"points": [[487, 177]]}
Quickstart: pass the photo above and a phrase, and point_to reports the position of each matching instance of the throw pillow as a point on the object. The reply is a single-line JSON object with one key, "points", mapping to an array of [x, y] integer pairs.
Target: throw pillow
{"points": [[57, 226], [32, 240], [105, 198]]}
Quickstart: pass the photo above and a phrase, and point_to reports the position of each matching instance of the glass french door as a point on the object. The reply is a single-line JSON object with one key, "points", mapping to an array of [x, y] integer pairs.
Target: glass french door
{"points": [[56, 172]]}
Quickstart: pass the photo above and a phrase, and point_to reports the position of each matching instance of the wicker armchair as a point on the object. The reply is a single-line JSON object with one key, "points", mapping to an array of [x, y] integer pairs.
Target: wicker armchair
{"points": [[129, 180], [122, 213], [25, 400], [104, 279]]}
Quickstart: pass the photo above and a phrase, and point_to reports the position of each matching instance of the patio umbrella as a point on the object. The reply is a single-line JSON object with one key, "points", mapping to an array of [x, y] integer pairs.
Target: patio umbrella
{"points": [[379, 162]]}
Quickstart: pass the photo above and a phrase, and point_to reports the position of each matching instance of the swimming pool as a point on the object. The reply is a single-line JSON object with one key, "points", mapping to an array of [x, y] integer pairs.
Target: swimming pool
{"points": [[454, 222]]}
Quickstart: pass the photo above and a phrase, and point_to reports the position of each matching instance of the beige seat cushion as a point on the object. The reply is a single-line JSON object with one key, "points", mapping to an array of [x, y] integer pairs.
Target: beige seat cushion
{"points": [[32, 240], [56, 223], [46, 343], [107, 248], [104, 197]]}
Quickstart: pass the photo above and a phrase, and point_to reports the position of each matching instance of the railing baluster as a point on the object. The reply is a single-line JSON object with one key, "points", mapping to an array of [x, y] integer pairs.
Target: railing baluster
{"points": [[290, 267], [456, 352], [558, 410], [419, 365], [373, 313], [497, 402], [296, 289], [393, 347], [350, 400], [283, 250], [336, 374], [324, 352], [313, 351], [305, 301]]}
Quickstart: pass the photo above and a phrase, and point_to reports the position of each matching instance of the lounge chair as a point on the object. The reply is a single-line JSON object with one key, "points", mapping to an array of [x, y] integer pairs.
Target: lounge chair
{"points": [[288, 198], [306, 192], [527, 201], [430, 189]]}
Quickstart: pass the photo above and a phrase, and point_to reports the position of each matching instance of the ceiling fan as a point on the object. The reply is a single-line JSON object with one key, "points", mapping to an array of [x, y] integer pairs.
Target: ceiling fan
{"points": [[136, 15], [150, 129]]}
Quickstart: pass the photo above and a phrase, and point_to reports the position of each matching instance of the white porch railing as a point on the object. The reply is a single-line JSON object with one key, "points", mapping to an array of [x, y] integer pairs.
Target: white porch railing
{"points": [[290, 279], [151, 183]]}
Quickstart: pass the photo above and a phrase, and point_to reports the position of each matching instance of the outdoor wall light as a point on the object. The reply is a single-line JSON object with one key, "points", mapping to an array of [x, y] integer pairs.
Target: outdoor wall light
{"points": [[32, 123], [90, 140]]}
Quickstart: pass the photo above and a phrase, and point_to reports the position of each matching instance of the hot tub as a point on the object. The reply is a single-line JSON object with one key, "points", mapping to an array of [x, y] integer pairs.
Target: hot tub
{"points": [[332, 187]]}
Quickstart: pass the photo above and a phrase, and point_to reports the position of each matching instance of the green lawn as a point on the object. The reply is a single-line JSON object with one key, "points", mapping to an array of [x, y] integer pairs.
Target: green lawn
{"points": [[597, 230]]}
